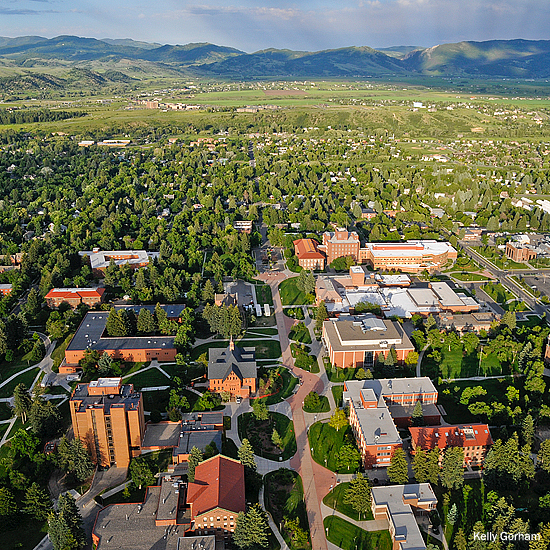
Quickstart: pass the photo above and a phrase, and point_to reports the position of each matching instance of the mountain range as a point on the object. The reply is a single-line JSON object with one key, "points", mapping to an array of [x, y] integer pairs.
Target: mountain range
{"points": [[524, 59]]}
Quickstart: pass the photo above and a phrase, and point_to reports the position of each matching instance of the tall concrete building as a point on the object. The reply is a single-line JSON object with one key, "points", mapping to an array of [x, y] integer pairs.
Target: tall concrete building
{"points": [[108, 417]]}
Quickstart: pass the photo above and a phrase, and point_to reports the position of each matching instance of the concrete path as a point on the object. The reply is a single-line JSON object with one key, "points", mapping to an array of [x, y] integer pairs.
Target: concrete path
{"points": [[419, 362]]}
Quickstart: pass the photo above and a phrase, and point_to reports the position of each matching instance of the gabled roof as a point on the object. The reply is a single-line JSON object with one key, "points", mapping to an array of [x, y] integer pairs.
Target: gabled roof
{"points": [[72, 292], [219, 483], [223, 361]]}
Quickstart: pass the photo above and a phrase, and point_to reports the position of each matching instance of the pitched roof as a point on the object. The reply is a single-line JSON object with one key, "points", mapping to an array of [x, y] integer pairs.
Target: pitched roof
{"points": [[307, 248], [72, 292], [451, 436], [223, 361], [219, 482]]}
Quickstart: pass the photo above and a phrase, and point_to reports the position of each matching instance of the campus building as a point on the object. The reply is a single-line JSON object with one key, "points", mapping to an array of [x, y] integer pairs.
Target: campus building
{"points": [[520, 252], [91, 335], [378, 407], [341, 243], [399, 505], [233, 370], [356, 341], [394, 294], [5, 289], [468, 322], [474, 439], [101, 259], [108, 417], [91, 297], [308, 254]]}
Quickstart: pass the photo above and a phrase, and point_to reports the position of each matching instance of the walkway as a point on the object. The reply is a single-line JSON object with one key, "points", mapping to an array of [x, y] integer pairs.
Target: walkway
{"points": [[274, 528]]}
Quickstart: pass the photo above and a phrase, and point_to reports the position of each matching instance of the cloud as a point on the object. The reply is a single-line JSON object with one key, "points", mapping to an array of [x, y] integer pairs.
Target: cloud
{"points": [[16, 11]]}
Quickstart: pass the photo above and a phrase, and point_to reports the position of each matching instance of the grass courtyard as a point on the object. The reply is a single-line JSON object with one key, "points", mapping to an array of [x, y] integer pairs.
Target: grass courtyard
{"points": [[348, 536], [335, 500], [291, 295], [327, 442]]}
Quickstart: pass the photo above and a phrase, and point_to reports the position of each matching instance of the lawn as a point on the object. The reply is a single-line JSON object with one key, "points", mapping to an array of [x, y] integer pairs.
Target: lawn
{"points": [[26, 378], [340, 375], [324, 406], [454, 364], [337, 392], [257, 332], [6, 411], [266, 349], [498, 258], [300, 333], [136, 495], [259, 434], [25, 535], [463, 276], [147, 379], [59, 352], [335, 500], [348, 536], [291, 295], [263, 294], [327, 442], [158, 400]]}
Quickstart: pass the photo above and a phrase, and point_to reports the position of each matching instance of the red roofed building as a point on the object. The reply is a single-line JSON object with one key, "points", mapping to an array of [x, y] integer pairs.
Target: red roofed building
{"points": [[475, 439], [216, 496], [308, 254], [75, 296]]}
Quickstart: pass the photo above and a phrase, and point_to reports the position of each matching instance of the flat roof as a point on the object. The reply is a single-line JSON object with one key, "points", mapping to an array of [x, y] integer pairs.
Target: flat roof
{"points": [[127, 398], [163, 434], [447, 296], [392, 386], [413, 248], [377, 425]]}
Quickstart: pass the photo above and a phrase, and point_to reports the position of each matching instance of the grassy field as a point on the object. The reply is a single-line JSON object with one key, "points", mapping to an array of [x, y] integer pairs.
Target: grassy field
{"points": [[324, 406], [326, 442], [263, 294], [59, 352], [348, 536], [469, 277], [335, 500], [26, 378], [300, 333], [148, 378], [291, 295], [266, 349], [259, 434], [294, 313]]}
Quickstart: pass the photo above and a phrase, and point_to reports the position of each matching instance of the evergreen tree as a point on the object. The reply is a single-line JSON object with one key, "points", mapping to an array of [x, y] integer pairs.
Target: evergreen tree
{"points": [[543, 456], [112, 323], [104, 364], [83, 466], [398, 470], [528, 431], [259, 409], [420, 466], [251, 529], [452, 516], [509, 320], [321, 314], [452, 471], [361, 374], [358, 494], [37, 502], [38, 351], [277, 439], [33, 305], [44, 417], [309, 283], [418, 414], [195, 458], [432, 466], [146, 322], [246, 455], [21, 402], [338, 420], [208, 291], [430, 323], [8, 505]]}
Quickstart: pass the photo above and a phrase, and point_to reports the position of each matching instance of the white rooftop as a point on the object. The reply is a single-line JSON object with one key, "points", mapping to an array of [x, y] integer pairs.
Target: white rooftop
{"points": [[105, 383]]}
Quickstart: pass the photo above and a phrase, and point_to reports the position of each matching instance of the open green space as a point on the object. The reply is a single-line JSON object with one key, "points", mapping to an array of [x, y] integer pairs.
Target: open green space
{"points": [[26, 378], [327, 442], [157, 400], [498, 258], [291, 295], [259, 433], [286, 389], [468, 277], [263, 294], [300, 333], [348, 536], [265, 349], [302, 358], [335, 500], [6, 412], [148, 379], [58, 353], [257, 332], [324, 406]]}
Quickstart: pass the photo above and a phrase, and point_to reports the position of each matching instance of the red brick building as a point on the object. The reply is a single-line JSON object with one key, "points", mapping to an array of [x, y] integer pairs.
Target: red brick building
{"points": [[519, 252], [233, 370], [356, 341], [308, 254], [92, 297], [474, 439], [5, 289], [341, 243]]}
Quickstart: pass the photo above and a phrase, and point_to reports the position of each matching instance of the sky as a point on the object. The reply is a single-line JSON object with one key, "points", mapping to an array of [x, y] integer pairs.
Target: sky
{"points": [[311, 25]]}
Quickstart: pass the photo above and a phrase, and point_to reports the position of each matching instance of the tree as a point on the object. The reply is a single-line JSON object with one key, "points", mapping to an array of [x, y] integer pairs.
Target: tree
{"points": [[38, 351], [417, 414], [412, 359], [44, 417], [140, 472], [398, 470], [312, 401], [430, 323], [452, 516], [277, 440], [251, 529], [358, 494], [452, 471], [37, 502], [208, 291], [338, 420], [543, 456], [82, 465], [528, 430], [246, 455], [8, 505], [195, 458], [432, 465], [348, 457], [22, 401], [33, 306], [420, 466], [321, 314], [360, 374], [259, 410], [65, 527], [111, 325], [509, 320], [146, 323], [104, 364]]}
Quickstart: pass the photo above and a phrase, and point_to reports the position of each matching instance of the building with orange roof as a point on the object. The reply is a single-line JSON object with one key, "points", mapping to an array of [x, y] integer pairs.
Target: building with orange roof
{"points": [[92, 297], [341, 243], [5, 289], [474, 439], [216, 496], [308, 254]]}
